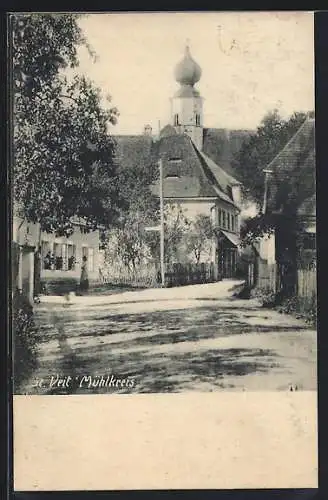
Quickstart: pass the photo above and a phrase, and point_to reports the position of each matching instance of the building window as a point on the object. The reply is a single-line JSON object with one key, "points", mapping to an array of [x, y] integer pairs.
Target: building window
{"points": [[47, 257], [232, 222], [71, 257], [198, 120], [224, 219], [228, 221], [58, 256], [61, 259], [309, 241], [176, 120]]}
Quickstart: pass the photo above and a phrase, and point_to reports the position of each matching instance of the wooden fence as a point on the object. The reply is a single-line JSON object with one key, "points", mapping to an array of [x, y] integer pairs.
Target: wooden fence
{"points": [[306, 288], [144, 276], [269, 278], [188, 274], [148, 275]]}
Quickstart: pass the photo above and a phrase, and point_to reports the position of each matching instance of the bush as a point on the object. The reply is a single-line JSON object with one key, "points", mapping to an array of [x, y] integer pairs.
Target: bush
{"points": [[303, 309], [288, 305], [25, 340], [266, 297], [311, 314]]}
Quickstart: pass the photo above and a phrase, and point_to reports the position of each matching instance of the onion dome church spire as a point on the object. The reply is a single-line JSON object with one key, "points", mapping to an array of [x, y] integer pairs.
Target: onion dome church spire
{"points": [[187, 71], [187, 104]]}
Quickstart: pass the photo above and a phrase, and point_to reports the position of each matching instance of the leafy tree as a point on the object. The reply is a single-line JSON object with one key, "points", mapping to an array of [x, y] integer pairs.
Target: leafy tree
{"points": [[176, 226], [63, 154], [200, 237], [259, 149], [131, 245], [128, 244]]}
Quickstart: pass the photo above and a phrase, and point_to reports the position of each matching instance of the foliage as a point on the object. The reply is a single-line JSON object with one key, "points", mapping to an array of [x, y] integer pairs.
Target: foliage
{"points": [[131, 245], [63, 155], [293, 305], [254, 228], [25, 340], [177, 227], [127, 244], [200, 236], [308, 311], [265, 296], [259, 149]]}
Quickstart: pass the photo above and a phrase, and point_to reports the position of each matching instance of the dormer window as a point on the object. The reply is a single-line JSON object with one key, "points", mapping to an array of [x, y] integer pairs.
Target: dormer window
{"points": [[173, 168]]}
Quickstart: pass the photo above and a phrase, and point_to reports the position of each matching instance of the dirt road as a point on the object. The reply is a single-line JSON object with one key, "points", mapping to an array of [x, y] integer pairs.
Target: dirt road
{"points": [[195, 338]]}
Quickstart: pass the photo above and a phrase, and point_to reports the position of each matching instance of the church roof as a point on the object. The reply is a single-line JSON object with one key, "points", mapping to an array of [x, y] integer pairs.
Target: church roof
{"points": [[188, 172], [187, 91], [222, 144], [133, 149], [167, 130]]}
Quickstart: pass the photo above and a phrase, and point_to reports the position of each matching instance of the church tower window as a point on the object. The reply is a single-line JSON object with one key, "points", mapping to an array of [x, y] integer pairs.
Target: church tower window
{"points": [[197, 120], [176, 120]]}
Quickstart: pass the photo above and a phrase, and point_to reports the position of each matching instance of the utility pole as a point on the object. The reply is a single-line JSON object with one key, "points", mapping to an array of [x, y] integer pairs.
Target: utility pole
{"points": [[161, 199]]}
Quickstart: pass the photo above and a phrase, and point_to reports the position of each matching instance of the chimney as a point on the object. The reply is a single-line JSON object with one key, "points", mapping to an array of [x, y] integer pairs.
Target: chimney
{"points": [[148, 130]]}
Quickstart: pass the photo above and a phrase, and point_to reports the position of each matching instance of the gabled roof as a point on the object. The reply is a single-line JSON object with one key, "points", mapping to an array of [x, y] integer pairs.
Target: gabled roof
{"points": [[222, 144], [167, 131], [188, 172], [293, 169], [133, 149], [180, 159]]}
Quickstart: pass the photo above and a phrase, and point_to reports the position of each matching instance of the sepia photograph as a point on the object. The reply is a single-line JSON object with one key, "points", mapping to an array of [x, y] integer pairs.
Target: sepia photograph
{"points": [[164, 211], [163, 250]]}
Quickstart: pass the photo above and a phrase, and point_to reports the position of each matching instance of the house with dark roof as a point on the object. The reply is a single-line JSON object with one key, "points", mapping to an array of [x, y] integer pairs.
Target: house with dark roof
{"points": [[290, 196], [197, 171]]}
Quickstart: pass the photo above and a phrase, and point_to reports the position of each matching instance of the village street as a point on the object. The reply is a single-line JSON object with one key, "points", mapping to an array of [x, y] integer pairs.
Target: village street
{"points": [[193, 338]]}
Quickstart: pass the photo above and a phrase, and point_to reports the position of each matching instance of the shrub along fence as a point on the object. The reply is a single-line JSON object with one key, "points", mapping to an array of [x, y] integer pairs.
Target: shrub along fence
{"points": [[148, 275], [268, 280], [144, 275]]}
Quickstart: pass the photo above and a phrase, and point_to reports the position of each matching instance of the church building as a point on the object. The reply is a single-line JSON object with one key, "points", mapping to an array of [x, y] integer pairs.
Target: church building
{"points": [[197, 171]]}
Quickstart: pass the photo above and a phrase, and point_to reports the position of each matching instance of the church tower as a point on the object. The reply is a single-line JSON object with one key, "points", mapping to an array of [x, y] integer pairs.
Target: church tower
{"points": [[187, 104]]}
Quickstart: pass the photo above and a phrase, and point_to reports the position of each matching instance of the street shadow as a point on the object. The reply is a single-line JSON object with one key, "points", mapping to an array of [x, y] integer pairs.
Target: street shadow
{"points": [[135, 347], [166, 373]]}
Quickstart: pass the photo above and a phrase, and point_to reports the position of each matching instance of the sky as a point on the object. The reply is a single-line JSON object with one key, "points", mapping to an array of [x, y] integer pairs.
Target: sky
{"points": [[252, 62]]}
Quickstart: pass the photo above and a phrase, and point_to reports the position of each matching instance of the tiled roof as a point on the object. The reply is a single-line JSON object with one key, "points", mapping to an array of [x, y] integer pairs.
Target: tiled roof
{"points": [[293, 170], [133, 149], [217, 176], [188, 173], [221, 145], [222, 177], [180, 159]]}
